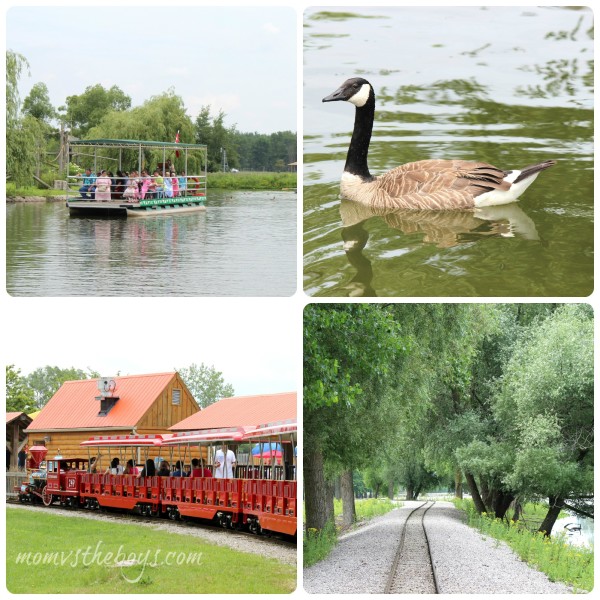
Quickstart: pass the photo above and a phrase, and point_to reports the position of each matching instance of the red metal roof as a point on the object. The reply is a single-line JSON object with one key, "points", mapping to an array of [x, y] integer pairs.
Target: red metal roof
{"points": [[243, 411], [74, 406], [11, 416]]}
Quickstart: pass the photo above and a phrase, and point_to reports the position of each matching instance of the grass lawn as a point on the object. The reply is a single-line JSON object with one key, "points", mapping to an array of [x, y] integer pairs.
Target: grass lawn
{"points": [[48, 553]]}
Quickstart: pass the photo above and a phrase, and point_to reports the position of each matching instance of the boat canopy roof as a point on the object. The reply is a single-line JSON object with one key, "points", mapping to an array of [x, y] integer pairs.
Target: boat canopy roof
{"points": [[107, 143]]}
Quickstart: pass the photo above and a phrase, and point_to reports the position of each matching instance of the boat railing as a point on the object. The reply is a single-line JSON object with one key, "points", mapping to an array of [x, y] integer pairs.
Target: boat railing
{"points": [[189, 186]]}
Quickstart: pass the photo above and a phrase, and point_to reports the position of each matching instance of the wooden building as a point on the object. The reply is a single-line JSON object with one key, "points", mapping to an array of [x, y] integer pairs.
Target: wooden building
{"points": [[137, 404], [16, 438]]}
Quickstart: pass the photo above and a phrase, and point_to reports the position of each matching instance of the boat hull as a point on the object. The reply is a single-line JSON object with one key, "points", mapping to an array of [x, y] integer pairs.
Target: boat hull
{"points": [[144, 208]]}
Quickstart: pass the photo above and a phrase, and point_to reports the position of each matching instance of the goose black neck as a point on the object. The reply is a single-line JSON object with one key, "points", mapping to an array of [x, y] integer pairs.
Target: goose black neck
{"points": [[356, 160]]}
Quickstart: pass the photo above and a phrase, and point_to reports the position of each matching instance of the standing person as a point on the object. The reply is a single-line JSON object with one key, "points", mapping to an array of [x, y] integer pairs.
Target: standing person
{"points": [[89, 181], [175, 183], [225, 462], [168, 186], [22, 458], [103, 184], [182, 183]]}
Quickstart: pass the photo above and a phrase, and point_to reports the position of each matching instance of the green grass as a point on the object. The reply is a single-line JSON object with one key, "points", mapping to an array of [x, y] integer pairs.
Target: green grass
{"points": [[252, 181], [12, 191], [48, 553], [367, 508], [555, 557], [318, 544]]}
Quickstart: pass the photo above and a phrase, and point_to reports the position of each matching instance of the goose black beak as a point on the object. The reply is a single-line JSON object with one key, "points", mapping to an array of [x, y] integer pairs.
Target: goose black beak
{"points": [[337, 95]]}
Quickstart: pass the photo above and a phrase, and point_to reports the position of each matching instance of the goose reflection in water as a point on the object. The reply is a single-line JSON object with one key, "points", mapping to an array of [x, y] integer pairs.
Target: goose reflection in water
{"points": [[445, 229]]}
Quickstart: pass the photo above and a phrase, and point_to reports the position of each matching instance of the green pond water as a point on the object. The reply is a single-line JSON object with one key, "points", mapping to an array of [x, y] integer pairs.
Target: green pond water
{"points": [[244, 244], [511, 86]]}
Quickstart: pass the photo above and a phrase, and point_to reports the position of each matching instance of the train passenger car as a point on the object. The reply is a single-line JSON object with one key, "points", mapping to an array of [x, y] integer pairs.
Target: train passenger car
{"points": [[269, 489]]}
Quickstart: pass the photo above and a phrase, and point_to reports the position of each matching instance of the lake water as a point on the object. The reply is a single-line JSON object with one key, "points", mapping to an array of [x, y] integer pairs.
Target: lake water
{"points": [[511, 86], [244, 244], [583, 537]]}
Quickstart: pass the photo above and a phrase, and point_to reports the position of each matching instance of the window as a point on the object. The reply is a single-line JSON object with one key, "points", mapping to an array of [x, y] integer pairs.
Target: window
{"points": [[176, 397]]}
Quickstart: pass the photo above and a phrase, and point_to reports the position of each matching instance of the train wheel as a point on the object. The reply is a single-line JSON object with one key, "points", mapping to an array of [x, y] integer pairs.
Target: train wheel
{"points": [[46, 496], [254, 526]]}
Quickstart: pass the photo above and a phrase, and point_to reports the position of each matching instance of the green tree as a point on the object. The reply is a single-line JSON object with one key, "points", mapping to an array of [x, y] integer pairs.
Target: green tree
{"points": [[349, 354], [84, 111], [37, 104], [206, 384], [546, 402], [19, 397], [45, 381], [21, 135]]}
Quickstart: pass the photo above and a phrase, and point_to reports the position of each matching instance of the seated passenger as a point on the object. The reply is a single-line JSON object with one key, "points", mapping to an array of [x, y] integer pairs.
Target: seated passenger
{"points": [[158, 184], [197, 471], [92, 468], [131, 193], [177, 472], [130, 468], [103, 187], [146, 183], [149, 470], [89, 185], [164, 470], [115, 468]]}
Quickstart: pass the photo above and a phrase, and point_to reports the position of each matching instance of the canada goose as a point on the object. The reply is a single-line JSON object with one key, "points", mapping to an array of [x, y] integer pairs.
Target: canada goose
{"points": [[426, 184]]}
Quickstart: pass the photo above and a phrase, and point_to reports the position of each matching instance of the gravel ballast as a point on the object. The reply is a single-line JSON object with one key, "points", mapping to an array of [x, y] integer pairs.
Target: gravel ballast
{"points": [[465, 560]]}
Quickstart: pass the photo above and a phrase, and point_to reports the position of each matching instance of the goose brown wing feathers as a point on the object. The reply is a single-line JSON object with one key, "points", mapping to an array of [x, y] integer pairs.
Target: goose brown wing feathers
{"points": [[435, 184]]}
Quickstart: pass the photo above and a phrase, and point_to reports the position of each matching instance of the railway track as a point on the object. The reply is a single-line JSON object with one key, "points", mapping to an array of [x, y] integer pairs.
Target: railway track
{"points": [[413, 571]]}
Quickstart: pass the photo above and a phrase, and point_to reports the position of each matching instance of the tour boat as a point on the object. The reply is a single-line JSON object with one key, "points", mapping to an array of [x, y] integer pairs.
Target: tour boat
{"points": [[121, 158]]}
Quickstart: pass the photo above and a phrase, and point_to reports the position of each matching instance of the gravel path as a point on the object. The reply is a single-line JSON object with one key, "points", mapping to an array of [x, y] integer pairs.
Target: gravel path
{"points": [[465, 561], [272, 549]]}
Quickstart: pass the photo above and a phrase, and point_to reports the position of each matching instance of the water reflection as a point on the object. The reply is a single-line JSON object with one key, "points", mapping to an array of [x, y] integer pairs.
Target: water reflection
{"points": [[578, 531], [444, 229]]}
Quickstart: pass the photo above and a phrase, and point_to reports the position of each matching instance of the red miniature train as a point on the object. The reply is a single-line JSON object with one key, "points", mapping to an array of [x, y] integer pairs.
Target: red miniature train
{"points": [[258, 495]]}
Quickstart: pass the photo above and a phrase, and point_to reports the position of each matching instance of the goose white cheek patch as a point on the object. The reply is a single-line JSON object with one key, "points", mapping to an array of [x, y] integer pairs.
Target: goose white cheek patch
{"points": [[360, 98]]}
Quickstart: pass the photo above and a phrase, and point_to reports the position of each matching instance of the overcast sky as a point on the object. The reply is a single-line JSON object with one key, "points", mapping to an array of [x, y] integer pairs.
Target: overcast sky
{"points": [[255, 343], [241, 60]]}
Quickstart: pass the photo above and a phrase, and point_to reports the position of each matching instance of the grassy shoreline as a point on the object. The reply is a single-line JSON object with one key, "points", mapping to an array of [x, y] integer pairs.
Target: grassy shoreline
{"points": [[225, 181], [555, 557]]}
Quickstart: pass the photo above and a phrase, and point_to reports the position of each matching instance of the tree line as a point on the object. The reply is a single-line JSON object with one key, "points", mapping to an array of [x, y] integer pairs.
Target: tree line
{"points": [[98, 112], [29, 393], [497, 399]]}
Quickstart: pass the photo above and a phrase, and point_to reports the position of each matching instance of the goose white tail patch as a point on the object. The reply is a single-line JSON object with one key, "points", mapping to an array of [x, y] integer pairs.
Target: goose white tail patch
{"points": [[360, 98], [498, 197]]}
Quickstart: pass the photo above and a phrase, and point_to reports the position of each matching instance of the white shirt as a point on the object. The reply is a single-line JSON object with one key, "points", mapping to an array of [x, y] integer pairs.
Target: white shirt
{"points": [[219, 458]]}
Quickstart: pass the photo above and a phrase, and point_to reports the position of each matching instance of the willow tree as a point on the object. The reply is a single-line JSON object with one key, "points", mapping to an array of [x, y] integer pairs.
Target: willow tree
{"points": [[546, 401], [349, 353]]}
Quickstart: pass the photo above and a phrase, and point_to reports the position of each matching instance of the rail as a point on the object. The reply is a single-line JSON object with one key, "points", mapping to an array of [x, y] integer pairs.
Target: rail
{"points": [[423, 578]]}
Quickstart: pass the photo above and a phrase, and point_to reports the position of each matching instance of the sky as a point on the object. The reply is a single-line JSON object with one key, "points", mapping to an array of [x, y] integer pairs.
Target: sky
{"points": [[255, 343], [241, 60]]}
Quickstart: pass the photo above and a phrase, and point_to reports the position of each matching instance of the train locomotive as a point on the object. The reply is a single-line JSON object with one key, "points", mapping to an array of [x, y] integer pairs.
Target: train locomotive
{"points": [[260, 497]]}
